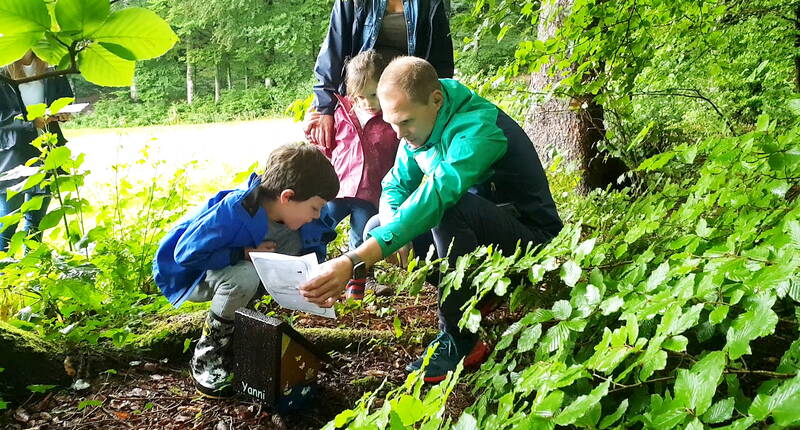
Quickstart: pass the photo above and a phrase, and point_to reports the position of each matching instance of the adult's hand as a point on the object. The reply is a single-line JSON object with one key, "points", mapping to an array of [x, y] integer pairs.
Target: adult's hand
{"points": [[330, 283], [321, 131]]}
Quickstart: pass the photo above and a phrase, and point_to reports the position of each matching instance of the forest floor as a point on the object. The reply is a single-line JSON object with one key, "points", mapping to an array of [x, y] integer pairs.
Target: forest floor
{"points": [[160, 394]]}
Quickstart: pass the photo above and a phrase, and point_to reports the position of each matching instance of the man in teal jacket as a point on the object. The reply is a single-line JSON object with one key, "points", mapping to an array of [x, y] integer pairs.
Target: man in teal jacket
{"points": [[465, 171]]}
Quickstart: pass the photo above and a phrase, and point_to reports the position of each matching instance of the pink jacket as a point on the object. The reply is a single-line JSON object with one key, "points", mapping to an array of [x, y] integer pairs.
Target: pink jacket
{"points": [[361, 156]]}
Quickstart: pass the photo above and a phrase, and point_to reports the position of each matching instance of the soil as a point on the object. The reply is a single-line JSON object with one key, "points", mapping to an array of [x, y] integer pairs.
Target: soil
{"points": [[148, 395]]}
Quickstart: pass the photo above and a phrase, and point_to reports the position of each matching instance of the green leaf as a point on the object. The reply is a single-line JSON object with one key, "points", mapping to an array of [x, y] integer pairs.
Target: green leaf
{"points": [[50, 50], [528, 338], [35, 111], [720, 411], [83, 16], [186, 343], [695, 388], [581, 405], [398, 327], [609, 420], [39, 388], [718, 314], [87, 403], [119, 50], [138, 30], [760, 320], [611, 305], [570, 273], [22, 23], [794, 106], [473, 320], [782, 403], [51, 219], [466, 422], [562, 310], [657, 276], [98, 65], [59, 104], [14, 46], [702, 229], [676, 343], [57, 157], [34, 204]]}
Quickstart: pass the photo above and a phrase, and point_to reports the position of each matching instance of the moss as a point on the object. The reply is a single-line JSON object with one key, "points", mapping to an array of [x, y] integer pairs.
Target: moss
{"points": [[28, 359]]}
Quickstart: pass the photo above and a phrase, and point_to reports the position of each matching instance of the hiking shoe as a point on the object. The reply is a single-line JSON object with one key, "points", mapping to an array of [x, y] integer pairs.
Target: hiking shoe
{"points": [[355, 289], [212, 360], [446, 356]]}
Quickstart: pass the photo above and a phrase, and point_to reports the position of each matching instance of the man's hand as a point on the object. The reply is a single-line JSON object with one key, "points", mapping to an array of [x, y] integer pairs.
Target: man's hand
{"points": [[320, 130], [265, 246], [326, 288]]}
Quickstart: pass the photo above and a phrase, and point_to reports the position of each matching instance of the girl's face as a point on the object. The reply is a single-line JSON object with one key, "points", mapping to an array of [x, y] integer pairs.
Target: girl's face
{"points": [[367, 99]]}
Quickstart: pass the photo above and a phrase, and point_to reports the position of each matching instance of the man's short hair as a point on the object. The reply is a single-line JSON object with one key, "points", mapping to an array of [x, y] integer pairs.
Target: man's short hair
{"points": [[365, 67], [412, 75], [300, 167]]}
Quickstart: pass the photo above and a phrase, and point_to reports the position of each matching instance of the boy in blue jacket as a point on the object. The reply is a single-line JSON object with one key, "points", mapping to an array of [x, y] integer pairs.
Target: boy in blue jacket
{"points": [[206, 256]]}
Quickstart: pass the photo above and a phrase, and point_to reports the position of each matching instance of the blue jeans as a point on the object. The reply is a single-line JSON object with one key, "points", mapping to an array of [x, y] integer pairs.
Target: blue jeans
{"points": [[360, 212], [32, 217]]}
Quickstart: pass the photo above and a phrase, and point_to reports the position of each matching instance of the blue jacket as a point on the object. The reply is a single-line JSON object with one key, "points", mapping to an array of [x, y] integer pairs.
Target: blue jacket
{"points": [[214, 237], [355, 26]]}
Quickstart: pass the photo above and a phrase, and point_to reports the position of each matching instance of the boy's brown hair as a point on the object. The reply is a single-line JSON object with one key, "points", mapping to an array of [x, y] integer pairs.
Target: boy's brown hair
{"points": [[364, 67], [300, 167], [414, 76]]}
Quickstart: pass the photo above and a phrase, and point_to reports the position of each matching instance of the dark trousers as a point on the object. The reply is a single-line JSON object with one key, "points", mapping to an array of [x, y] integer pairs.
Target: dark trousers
{"points": [[473, 222], [31, 218]]}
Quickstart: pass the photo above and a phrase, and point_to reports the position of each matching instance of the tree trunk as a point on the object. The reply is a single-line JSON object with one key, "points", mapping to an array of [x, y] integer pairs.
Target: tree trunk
{"points": [[228, 73], [134, 90], [189, 75], [797, 50], [568, 126], [216, 83]]}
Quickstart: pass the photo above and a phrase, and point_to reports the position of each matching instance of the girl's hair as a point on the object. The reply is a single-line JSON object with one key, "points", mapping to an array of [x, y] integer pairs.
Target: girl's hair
{"points": [[365, 67]]}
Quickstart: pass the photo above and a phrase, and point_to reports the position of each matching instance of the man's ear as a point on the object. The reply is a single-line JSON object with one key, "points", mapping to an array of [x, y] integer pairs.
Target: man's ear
{"points": [[437, 98], [286, 195]]}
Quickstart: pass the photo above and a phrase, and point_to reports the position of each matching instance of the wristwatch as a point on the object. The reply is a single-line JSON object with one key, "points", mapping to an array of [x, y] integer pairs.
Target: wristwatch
{"points": [[359, 267]]}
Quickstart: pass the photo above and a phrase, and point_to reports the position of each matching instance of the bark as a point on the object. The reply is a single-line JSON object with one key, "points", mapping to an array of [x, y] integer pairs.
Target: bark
{"points": [[189, 74], [568, 126], [134, 90], [216, 83], [228, 74], [797, 50]]}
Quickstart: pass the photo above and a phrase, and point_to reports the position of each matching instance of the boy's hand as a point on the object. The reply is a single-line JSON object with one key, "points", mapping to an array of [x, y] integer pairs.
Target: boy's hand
{"points": [[265, 246], [326, 288]]}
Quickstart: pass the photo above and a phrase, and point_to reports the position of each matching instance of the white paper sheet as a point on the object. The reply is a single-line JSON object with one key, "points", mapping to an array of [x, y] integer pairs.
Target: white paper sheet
{"points": [[282, 276]]}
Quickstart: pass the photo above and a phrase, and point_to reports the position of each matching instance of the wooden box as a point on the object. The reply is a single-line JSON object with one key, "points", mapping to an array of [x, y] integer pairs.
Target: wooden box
{"points": [[275, 364]]}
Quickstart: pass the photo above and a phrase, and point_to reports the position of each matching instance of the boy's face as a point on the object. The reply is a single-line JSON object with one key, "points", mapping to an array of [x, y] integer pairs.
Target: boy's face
{"points": [[294, 214], [367, 99]]}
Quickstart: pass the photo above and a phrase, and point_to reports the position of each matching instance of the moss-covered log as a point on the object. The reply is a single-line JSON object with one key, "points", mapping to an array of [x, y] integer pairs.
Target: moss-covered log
{"points": [[28, 359]]}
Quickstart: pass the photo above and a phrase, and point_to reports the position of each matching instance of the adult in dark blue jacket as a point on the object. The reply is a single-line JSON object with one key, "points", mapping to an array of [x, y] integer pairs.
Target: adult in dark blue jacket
{"points": [[16, 135], [391, 27], [206, 257]]}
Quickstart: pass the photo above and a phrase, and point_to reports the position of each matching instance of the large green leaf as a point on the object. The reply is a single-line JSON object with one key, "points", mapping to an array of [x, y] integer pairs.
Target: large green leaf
{"points": [[138, 30], [50, 50], [101, 67], [83, 16], [759, 320], [695, 388], [14, 46], [23, 16], [581, 405]]}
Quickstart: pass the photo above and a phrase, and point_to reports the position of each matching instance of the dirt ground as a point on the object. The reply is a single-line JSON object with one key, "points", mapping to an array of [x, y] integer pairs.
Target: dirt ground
{"points": [[160, 395]]}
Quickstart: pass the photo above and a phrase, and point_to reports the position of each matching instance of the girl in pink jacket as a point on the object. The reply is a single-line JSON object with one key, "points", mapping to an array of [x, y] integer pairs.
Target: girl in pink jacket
{"points": [[364, 148]]}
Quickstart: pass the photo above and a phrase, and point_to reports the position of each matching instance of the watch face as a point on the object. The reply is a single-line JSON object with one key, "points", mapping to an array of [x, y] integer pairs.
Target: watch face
{"points": [[360, 271]]}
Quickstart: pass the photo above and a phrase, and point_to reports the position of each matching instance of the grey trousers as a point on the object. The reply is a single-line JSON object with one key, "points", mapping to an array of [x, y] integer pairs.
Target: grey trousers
{"points": [[228, 289]]}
